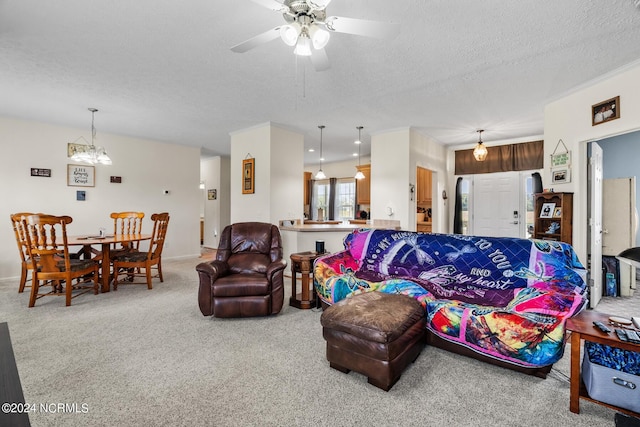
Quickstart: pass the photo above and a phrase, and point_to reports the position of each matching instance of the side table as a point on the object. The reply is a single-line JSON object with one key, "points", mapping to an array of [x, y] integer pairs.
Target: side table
{"points": [[581, 327], [302, 262]]}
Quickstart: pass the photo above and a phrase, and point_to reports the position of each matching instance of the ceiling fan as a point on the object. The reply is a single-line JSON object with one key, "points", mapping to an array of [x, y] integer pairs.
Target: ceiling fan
{"points": [[308, 29]]}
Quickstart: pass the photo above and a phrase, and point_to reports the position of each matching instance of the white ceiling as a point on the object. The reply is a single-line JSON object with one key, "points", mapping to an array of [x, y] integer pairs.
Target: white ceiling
{"points": [[162, 69]]}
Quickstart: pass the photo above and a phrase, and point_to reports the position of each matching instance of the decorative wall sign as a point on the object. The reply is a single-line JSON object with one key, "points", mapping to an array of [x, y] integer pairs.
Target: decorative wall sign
{"points": [[605, 111], [248, 176], [81, 176], [560, 158], [116, 179], [41, 172], [212, 194], [73, 148]]}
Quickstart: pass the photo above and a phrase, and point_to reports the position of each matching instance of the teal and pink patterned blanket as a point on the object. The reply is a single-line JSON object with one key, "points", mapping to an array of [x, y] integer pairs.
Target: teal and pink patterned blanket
{"points": [[504, 297]]}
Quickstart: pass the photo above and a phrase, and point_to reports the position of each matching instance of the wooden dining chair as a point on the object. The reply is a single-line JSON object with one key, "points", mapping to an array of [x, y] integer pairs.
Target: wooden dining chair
{"points": [[131, 263], [127, 223], [21, 240], [51, 260]]}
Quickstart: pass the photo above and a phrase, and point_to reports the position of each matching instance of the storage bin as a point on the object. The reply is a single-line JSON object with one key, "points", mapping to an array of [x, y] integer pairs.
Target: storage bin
{"points": [[610, 385]]}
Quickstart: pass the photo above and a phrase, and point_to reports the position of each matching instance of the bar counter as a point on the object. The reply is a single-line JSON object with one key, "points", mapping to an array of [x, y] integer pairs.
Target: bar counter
{"points": [[298, 237]]}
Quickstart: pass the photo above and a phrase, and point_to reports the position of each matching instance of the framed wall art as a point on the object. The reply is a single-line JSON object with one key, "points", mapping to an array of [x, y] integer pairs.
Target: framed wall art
{"points": [[81, 176], [248, 176], [561, 176], [212, 194], [605, 111]]}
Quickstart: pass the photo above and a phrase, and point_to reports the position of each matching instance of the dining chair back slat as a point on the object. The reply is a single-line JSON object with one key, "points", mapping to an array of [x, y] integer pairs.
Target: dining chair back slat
{"points": [[127, 223], [21, 240]]}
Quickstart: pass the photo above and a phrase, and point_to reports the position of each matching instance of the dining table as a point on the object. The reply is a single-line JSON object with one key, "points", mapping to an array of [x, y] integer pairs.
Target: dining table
{"points": [[105, 242]]}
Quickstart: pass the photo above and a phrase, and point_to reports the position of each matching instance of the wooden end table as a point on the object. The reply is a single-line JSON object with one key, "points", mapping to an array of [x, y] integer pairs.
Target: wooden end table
{"points": [[581, 327], [302, 262]]}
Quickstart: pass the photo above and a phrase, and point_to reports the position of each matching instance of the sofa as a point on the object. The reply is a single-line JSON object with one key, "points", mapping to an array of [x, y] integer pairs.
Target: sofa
{"points": [[501, 300]]}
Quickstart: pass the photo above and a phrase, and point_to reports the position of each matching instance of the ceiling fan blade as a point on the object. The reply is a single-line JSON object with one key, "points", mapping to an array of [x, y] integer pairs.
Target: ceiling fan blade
{"points": [[265, 37], [320, 60], [318, 4], [362, 27], [273, 5]]}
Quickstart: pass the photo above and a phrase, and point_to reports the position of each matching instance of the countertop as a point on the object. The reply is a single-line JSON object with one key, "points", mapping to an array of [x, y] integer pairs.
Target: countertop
{"points": [[321, 227]]}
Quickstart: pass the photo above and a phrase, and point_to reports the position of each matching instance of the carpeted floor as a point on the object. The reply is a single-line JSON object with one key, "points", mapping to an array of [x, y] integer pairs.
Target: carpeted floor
{"points": [[139, 357]]}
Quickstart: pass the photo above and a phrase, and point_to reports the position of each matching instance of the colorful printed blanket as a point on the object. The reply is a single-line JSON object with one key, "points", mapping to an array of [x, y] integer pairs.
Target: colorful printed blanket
{"points": [[504, 297]]}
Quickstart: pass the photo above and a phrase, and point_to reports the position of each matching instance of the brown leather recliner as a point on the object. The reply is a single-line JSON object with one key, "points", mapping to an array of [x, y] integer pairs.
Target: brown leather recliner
{"points": [[245, 279]]}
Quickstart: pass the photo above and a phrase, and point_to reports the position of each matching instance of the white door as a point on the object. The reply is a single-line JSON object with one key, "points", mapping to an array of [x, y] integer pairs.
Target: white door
{"points": [[619, 224], [595, 225], [496, 205]]}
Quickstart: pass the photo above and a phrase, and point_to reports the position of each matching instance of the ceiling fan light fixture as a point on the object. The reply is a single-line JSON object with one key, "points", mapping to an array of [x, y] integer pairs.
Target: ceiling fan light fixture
{"points": [[318, 4], [319, 37], [303, 46], [480, 151], [289, 33]]}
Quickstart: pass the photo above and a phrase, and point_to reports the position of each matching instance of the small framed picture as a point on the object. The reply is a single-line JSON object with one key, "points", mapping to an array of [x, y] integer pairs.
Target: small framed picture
{"points": [[212, 194], [248, 176], [605, 111], [557, 212], [547, 210], [561, 176]]}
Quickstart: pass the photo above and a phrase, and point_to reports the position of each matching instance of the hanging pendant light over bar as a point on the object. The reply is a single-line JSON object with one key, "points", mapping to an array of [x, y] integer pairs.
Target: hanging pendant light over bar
{"points": [[90, 153], [320, 174], [359, 174]]}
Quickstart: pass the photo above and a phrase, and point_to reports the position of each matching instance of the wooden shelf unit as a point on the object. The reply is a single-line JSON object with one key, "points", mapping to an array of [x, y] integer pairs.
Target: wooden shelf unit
{"points": [[564, 220]]}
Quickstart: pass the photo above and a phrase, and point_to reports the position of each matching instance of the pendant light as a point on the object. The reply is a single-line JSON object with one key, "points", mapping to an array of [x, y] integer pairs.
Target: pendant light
{"points": [[359, 174], [480, 151], [90, 153], [320, 174]]}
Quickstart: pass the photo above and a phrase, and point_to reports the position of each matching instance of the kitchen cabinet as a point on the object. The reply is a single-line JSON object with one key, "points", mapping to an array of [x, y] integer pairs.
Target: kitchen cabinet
{"points": [[363, 186], [307, 179], [423, 187], [424, 227]]}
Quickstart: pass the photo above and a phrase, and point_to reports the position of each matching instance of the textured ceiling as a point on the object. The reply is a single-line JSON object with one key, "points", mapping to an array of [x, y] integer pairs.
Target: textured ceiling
{"points": [[163, 70]]}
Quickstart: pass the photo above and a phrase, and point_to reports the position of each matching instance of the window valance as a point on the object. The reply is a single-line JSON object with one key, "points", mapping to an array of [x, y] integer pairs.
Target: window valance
{"points": [[502, 158]]}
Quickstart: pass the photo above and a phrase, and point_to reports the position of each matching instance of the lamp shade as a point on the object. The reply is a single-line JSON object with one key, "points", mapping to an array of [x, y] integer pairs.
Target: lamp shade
{"points": [[319, 37], [480, 151], [630, 256], [303, 46], [289, 33]]}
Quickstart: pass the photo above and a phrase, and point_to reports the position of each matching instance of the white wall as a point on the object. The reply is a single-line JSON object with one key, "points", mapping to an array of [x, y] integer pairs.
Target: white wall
{"points": [[279, 160], [395, 155], [146, 167], [214, 172], [429, 154], [569, 119], [390, 177], [344, 169]]}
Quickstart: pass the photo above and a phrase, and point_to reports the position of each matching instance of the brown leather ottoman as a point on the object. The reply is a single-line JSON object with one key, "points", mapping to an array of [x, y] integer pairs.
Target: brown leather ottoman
{"points": [[375, 334]]}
